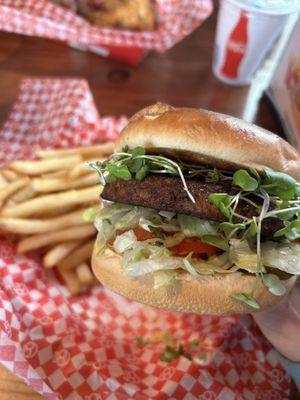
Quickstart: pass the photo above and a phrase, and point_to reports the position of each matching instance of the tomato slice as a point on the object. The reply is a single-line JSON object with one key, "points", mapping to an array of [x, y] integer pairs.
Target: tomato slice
{"points": [[193, 245], [141, 234], [183, 248]]}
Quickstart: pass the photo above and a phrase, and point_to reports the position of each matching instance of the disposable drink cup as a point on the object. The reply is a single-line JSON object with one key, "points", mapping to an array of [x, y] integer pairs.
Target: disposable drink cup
{"points": [[246, 31]]}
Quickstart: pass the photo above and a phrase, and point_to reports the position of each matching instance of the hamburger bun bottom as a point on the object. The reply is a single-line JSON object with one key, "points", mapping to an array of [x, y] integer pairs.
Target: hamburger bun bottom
{"points": [[205, 295]]}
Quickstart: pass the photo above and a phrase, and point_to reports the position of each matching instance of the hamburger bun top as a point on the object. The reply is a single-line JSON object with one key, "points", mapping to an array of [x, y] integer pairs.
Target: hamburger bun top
{"points": [[204, 295], [205, 137]]}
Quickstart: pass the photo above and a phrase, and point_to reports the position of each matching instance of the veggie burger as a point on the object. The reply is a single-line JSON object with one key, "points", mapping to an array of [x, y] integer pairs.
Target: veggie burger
{"points": [[201, 213]]}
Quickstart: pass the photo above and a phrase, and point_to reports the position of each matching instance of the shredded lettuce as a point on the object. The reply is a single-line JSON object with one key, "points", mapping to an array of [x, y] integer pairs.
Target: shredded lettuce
{"points": [[173, 240], [112, 212], [150, 265], [124, 242], [106, 219], [105, 233], [228, 270], [89, 214], [133, 217], [220, 260], [167, 214], [143, 250], [164, 278], [127, 219], [241, 254], [147, 257], [188, 265], [195, 227], [117, 216], [167, 227], [152, 257], [215, 264], [283, 256]]}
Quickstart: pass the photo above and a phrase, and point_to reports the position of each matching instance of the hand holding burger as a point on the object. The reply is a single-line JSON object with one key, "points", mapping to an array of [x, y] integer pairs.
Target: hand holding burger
{"points": [[201, 213], [281, 325]]}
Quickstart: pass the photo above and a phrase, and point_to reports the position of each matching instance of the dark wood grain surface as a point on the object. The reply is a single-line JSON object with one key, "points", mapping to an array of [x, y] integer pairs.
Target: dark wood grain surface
{"points": [[182, 76]]}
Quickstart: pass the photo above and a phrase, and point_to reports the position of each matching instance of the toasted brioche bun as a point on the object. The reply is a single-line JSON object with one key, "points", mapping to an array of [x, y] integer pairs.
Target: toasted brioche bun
{"points": [[207, 295], [200, 136]]}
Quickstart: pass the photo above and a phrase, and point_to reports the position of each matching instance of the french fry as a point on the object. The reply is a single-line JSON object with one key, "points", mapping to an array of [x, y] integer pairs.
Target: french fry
{"points": [[9, 175], [64, 235], [45, 185], [33, 226], [78, 171], [56, 174], [71, 281], [82, 168], [23, 194], [38, 167], [97, 150], [57, 253], [58, 212], [11, 188], [50, 202], [43, 201], [3, 181], [81, 254], [10, 203], [84, 274]]}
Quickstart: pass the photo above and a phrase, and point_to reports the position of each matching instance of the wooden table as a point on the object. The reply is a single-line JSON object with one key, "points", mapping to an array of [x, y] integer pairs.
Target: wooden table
{"points": [[182, 76], [12, 388]]}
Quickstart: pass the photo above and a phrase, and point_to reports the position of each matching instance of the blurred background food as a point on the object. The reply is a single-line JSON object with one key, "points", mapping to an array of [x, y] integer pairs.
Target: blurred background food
{"points": [[123, 14]]}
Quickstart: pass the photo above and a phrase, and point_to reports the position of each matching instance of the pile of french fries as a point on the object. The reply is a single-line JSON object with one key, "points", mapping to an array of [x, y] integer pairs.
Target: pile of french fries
{"points": [[44, 203]]}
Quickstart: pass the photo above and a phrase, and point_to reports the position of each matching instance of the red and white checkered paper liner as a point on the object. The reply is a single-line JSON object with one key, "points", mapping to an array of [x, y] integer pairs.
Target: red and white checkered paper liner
{"points": [[176, 19], [85, 347]]}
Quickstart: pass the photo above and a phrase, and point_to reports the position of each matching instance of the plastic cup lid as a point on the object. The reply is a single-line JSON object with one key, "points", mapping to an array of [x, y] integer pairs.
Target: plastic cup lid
{"points": [[271, 7]]}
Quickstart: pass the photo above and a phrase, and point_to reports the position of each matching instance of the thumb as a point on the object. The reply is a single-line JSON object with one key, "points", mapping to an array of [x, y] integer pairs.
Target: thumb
{"points": [[281, 325]]}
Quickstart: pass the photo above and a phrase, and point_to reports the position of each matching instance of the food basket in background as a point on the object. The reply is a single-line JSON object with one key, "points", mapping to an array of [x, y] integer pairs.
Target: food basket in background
{"points": [[43, 18]]}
